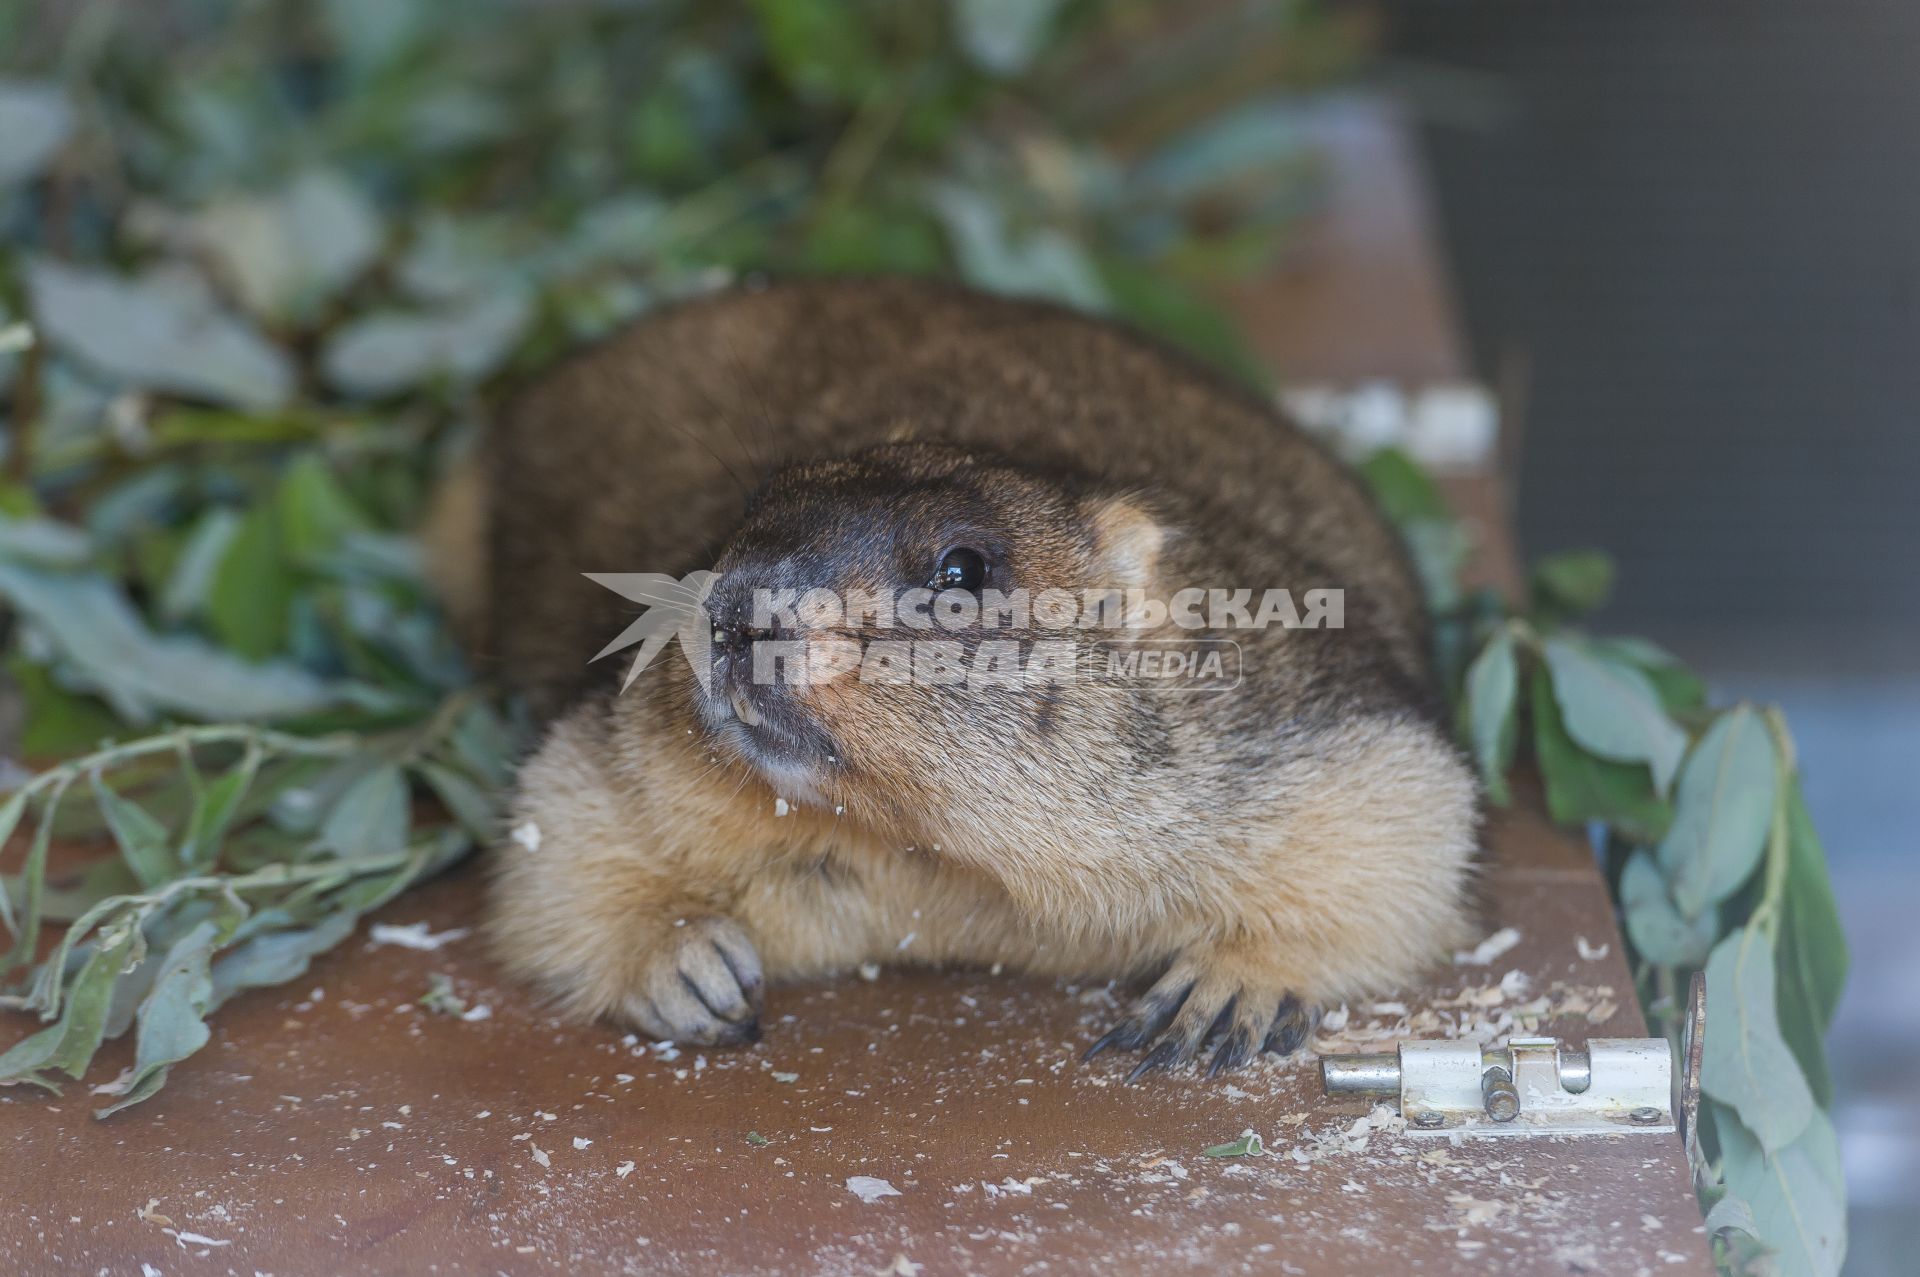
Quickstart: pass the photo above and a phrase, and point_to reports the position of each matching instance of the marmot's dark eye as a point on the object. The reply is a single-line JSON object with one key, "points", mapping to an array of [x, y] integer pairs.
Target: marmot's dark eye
{"points": [[960, 568]]}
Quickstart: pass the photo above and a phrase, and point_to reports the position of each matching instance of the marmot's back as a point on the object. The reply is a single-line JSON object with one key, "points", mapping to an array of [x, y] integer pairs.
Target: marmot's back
{"points": [[639, 454]]}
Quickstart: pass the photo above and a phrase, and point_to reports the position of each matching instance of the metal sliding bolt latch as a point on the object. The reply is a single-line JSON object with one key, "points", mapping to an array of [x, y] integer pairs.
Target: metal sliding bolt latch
{"points": [[1530, 1086]]}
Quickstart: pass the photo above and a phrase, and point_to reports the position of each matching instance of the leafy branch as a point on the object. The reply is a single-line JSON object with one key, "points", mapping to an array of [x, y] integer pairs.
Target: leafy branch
{"points": [[1700, 814], [240, 892]]}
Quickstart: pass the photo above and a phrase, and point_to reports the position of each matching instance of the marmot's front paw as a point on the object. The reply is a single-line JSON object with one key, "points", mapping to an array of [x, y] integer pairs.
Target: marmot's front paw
{"points": [[703, 986], [1192, 1003]]}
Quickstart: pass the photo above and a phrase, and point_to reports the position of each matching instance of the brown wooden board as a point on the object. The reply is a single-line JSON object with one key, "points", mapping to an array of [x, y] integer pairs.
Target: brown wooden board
{"points": [[337, 1126]]}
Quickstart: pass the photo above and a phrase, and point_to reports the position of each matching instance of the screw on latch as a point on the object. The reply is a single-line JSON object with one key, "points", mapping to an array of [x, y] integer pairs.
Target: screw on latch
{"points": [[1427, 1120], [1498, 1094], [1646, 1115]]}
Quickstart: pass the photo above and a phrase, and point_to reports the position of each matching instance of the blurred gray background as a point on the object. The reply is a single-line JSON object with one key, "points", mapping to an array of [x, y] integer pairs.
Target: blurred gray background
{"points": [[1693, 229]]}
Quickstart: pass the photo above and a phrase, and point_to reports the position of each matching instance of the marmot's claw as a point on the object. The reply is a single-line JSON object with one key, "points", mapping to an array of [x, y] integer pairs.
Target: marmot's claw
{"points": [[1150, 1015], [1181, 1015], [1290, 1027], [705, 988]]}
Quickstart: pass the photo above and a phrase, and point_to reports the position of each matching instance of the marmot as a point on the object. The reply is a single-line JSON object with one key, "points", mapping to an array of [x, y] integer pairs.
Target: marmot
{"points": [[1302, 837]]}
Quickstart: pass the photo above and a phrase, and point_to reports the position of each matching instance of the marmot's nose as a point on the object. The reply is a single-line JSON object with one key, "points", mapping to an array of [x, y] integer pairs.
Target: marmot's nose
{"points": [[737, 637]]}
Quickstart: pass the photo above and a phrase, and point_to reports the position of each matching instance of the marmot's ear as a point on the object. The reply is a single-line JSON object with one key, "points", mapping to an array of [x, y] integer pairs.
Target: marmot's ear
{"points": [[1127, 540]]}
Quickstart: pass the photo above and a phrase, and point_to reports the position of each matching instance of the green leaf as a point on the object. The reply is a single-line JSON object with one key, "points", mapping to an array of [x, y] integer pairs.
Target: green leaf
{"points": [[143, 841], [214, 807], [275, 957], [285, 255], [1723, 811], [371, 817], [252, 590], [1813, 950], [484, 743], [1572, 583], [1003, 36], [386, 352], [1491, 706], [1681, 690], [69, 1044], [107, 647], [11, 811], [1581, 787], [1797, 1193], [33, 885], [173, 1018], [190, 583], [1439, 549], [1248, 1145], [315, 512], [162, 331], [1659, 932], [1731, 1211], [1612, 710], [35, 120], [468, 803], [1157, 302], [59, 722], [1746, 1063], [821, 48], [1041, 262], [440, 997], [1405, 492]]}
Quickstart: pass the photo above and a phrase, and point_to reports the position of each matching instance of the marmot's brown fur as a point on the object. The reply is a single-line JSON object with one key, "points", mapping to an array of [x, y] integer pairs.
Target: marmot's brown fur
{"points": [[1259, 852]]}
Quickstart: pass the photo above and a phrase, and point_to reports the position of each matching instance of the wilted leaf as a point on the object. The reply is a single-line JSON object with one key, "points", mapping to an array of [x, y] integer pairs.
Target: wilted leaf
{"points": [[108, 648], [1797, 1193], [1747, 1065], [1658, 931], [1491, 704], [1003, 36], [35, 119], [1722, 813], [371, 817], [173, 1018], [1611, 709], [390, 351], [159, 331]]}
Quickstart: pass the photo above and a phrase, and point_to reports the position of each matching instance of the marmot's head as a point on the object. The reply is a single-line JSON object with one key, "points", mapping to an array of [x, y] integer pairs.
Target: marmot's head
{"points": [[889, 641]]}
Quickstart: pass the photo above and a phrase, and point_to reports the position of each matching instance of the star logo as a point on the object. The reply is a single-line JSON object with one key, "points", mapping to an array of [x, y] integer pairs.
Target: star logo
{"points": [[674, 609]]}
